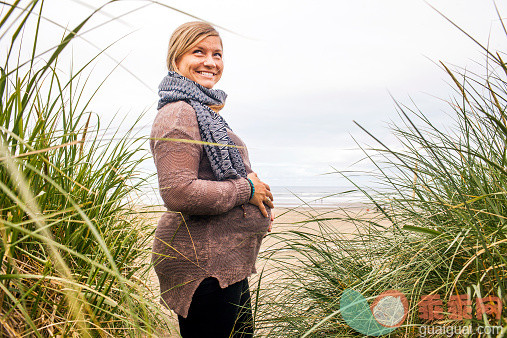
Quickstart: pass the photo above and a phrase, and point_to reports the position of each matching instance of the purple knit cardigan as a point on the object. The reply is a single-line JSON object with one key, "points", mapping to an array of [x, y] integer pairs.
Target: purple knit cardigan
{"points": [[209, 228]]}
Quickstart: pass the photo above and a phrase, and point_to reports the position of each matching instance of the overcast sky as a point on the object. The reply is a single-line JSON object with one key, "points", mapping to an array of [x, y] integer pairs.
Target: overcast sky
{"points": [[297, 72]]}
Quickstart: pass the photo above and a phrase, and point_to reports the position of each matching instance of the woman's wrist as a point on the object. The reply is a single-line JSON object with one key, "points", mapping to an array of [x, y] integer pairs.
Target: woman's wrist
{"points": [[252, 188]]}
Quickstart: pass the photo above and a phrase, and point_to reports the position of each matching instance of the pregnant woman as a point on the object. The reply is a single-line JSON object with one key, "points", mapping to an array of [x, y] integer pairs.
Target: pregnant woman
{"points": [[218, 210]]}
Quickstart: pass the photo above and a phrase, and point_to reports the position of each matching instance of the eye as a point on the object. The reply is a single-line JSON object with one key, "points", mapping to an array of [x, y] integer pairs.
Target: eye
{"points": [[218, 55], [197, 51]]}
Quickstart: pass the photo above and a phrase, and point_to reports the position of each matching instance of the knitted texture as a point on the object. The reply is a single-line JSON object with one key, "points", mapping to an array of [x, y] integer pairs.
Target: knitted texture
{"points": [[204, 232], [225, 161]]}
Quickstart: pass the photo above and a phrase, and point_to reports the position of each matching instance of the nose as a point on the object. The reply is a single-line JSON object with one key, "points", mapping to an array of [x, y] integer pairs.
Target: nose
{"points": [[209, 62]]}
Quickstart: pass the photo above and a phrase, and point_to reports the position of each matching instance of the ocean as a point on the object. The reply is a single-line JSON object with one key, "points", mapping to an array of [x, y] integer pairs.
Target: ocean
{"points": [[316, 196]]}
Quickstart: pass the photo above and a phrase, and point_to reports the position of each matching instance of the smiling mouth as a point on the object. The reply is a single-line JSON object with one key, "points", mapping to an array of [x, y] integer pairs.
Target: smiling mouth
{"points": [[207, 74]]}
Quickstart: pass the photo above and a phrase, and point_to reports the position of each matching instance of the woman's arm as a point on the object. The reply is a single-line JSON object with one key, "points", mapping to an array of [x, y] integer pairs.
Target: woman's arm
{"points": [[178, 165]]}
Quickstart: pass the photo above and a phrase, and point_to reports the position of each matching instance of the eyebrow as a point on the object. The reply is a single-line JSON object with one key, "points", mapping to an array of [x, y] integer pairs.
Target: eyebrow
{"points": [[216, 50]]}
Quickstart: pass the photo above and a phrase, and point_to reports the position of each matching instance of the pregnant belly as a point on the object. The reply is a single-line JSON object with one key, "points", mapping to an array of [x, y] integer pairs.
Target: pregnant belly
{"points": [[236, 236], [241, 220]]}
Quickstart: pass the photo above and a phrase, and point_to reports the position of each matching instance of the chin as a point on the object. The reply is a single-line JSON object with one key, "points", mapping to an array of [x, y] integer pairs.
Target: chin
{"points": [[208, 85]]}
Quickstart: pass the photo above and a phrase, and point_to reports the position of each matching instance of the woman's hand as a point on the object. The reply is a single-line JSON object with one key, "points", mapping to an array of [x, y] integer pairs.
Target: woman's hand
{"points": [[261, 195]]}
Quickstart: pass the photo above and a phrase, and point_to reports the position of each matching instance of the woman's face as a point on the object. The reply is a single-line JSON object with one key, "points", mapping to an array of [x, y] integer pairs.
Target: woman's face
{"points": [[203, 62]]}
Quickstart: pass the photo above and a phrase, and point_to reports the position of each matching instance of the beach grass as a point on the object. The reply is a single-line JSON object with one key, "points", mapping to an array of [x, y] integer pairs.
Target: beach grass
{"points": [[440, 226], [73, 248]]}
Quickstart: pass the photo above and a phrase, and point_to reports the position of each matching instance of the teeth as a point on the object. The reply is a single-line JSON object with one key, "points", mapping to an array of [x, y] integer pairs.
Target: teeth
{"points": [[206, 74]]}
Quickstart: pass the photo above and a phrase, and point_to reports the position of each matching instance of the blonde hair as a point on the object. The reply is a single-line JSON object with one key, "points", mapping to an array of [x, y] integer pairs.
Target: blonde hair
{"points": [[185, 37]]}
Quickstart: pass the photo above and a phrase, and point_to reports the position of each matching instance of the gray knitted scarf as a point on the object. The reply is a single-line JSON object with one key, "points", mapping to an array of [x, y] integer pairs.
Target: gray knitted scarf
{"points": [[226, 162]]}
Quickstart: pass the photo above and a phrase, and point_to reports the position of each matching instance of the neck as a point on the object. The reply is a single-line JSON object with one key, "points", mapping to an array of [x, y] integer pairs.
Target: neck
{"points": [[216, 108]]}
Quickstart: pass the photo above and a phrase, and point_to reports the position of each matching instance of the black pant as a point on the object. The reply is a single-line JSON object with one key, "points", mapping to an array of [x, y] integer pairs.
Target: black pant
{"points": [[219, 313]]}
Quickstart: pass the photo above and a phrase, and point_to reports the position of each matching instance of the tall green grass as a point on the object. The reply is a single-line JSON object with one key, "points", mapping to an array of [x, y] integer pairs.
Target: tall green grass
{"points": [[441, 226], [73, 249]]}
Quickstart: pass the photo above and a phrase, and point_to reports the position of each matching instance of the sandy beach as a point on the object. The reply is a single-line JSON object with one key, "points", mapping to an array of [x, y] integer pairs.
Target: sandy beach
{"points": [[286, 219]]}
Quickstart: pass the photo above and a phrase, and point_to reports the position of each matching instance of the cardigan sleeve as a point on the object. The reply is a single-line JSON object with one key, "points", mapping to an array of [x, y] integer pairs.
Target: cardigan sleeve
{"points": [[178, 165]]}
